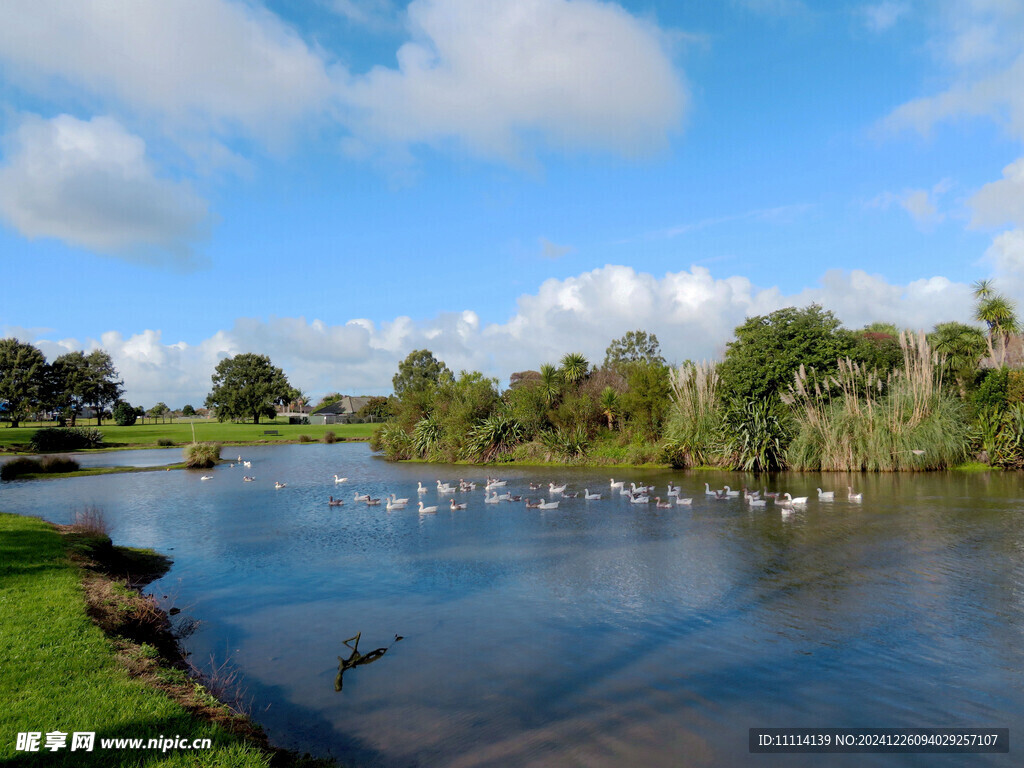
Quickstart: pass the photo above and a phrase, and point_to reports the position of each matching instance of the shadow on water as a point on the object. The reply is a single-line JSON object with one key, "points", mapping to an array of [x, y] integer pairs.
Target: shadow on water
{"points": [[357, 659]]}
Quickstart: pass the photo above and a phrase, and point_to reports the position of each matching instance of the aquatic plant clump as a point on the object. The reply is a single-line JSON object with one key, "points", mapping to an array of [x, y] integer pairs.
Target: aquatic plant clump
{"points": [[202, 455], [47, 465], [905, 422]]}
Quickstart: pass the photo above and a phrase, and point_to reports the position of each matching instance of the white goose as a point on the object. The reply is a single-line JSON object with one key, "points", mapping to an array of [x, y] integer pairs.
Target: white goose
{"points": [[661, 504], [401, 502], [590, 496], [673, 490], [392, 505], [494, 483], [799, 501], [455, 506], [708, 491], [278, 486], [247, 464], [826, 495], [420, 488], [556, 489], [488, 499], [640, 499], [338, 480], [426, 510], [549, 505], [361, 496], [730, 492], [617, 484], [854, 496], [680, 501], [206, 477]]}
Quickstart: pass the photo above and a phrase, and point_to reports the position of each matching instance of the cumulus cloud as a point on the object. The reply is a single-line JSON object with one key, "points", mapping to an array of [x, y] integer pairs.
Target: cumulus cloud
{"points": [[576, 73], [1007, 253], [206, 64], [90, 184], [692, 312], [1001, 202]]}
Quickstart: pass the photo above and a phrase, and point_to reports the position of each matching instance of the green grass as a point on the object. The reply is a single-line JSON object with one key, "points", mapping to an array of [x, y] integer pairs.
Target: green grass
{"points": [[60, 672], [976, 466], [180, 433]]}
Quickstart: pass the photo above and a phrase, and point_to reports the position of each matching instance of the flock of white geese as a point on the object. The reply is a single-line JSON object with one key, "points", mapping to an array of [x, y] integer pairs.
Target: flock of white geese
{"points": [[637, 494]]}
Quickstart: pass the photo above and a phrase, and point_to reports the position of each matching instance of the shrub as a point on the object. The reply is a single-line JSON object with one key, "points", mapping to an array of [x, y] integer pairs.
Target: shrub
{"points": [[25, 466], [124, 414], [695, 426], [757, 437], [201, 455], [305, 439], [1015, 387], [394, 441], [330, 437], [50, 439], [165, 442], [90, 521], [992, 391]]}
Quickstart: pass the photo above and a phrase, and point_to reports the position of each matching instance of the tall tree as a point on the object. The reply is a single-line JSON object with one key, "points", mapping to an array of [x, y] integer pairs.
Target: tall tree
{"points": [[635, 347], [247, 385], [768, 351], [550, 383], [999, 314], [70, 382], [418, 372], [21, 377], [102, 387]]}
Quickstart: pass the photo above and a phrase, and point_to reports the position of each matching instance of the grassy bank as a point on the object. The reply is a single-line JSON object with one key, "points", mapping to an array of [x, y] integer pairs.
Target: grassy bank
{"points": [[180, 433], [62, 673]]}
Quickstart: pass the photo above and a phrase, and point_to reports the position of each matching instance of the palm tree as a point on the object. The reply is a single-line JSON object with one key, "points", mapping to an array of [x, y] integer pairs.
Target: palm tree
{"points": [[983, 289], [997, 312], [610, 404], [962, 347], [550, 382], [574, 368]]}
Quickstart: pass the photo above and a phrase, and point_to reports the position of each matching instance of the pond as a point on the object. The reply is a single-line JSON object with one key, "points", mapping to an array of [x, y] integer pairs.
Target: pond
{"points": [[600, 633]]}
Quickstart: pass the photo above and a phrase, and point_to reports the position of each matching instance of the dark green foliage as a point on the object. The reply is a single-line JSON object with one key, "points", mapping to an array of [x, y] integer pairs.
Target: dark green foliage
{"points": [[330, 437], [165, 442], [574, 368], [188, 410], [377, 406], [22, 368], [877, 351], [495, 436], [246, 386], [635, 347], [101, 387], [1015, 387], [426, 435], [1002, 435], [124, 414], [393, 441], [991, 390], [47, 465], [51, 439], [756, 435], [768, 351], [645, 403], [527, 403], [567, 443], [418, 372]]}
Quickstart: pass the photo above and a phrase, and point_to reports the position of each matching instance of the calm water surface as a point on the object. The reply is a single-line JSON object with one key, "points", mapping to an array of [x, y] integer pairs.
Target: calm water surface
{"points": [[597, 634]]}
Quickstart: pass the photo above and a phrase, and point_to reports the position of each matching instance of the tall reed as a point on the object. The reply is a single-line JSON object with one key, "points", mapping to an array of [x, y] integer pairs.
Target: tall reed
{"points": [[694, 428], [855, 420]]}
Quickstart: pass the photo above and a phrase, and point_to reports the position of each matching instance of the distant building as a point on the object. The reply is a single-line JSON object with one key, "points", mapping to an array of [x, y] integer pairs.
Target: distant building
{"points": [[342, 412]]}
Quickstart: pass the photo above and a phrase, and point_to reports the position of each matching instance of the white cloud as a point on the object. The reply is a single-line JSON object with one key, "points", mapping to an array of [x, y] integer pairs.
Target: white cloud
{"points": [[205, 64], [1007, 254], [883, 16], [692, 313], [575, 73], [979, 41], [374, 14], [921, 204], [1001, 202], [90, 184]]}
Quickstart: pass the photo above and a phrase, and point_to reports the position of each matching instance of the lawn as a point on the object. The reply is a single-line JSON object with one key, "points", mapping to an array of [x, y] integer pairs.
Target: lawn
{"points": [[60, 672], [180, 432]]}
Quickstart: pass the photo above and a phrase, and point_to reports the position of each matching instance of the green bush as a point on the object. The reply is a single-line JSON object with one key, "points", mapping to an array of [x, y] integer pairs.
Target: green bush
{"points": [[1015, 387], [992, 389], [50, 439], [26, 466], [201, 455], [124, 414], [165, 442], [330, 437], [306, 439]]}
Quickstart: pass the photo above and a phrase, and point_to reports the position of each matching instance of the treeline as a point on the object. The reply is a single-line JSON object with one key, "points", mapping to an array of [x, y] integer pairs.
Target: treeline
{"points": [[30, 385], [794, 390]]}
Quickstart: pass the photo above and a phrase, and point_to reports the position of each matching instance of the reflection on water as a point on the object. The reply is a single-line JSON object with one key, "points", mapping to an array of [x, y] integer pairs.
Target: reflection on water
{"points": [[601, 633], [357, 659]]}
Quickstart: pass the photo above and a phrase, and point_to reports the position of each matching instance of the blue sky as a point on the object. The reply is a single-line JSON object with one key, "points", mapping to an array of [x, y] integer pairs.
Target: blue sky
{"points": [[337, 183]]}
